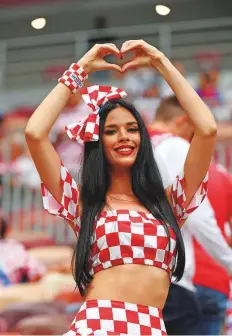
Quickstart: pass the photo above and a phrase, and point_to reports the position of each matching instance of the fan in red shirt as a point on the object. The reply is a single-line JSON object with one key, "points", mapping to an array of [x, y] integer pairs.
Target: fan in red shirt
{"points": [[204, 308], [210, 277]]}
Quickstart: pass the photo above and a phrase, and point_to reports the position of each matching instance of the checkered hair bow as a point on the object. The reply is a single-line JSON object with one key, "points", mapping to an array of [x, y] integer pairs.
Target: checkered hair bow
{"points": [[94, 96]]}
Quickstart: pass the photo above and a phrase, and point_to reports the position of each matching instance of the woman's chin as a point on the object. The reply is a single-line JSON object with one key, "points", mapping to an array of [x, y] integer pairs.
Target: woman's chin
{"points": [[124, 163]]}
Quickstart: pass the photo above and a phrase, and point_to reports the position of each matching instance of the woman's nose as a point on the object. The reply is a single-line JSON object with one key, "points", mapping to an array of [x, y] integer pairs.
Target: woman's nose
{"points": [[123, 135]]}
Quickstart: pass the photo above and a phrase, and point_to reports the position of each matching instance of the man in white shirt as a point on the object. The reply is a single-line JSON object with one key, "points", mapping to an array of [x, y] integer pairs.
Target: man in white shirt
{"points": [[182, 313]]}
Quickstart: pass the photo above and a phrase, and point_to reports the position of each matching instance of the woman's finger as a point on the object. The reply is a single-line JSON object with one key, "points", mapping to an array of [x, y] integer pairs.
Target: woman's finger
{"points": [[138, 61], [110, 66], [129, 42], [130, 65], [132, 45], [113, 45], [108, 49], [109, 52]]}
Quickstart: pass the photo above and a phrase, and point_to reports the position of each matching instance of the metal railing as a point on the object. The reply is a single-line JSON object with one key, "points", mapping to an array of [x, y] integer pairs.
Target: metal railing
{"points": [[23, 61], [22, 201]]}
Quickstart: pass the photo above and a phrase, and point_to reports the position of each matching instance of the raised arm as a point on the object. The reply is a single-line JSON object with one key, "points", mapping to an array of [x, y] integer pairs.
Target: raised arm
{"points": [[37, 131], [205, 129], [203, 142]]}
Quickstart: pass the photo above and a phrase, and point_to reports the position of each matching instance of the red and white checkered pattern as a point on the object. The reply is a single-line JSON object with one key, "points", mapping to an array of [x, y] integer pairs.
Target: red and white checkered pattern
{"points": [[105, 317], [97, 95], [120, 236], [131, 237], [125, 236], [177, 188], [94, 96], [179, 198], [74, 77], [85, 130], [68, 208]]}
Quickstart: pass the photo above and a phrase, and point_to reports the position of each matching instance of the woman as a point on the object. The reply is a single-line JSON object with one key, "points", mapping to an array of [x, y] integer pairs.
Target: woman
{"points": [[128, 226]]}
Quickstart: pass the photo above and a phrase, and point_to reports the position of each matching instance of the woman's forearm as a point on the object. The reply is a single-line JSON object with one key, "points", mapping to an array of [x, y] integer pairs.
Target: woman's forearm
{"points": [[44, 117], [193, 105]]}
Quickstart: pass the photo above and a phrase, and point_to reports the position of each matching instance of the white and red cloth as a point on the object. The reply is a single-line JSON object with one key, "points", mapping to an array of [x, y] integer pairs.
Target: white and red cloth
{"points": [[209, 273], [69, 207], [16, 263], [131, 237], [179, 198], [177, 190], [105, 317], [74, 77], [170, 153], [122, 236], [95, 96]]}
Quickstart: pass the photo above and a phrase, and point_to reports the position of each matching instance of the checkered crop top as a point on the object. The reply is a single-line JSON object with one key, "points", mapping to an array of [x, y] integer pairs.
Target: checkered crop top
{"points": [[125, 236]]}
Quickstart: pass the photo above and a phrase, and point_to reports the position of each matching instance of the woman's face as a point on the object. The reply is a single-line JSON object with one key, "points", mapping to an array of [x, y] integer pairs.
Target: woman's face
{"points": [[121, 138]]}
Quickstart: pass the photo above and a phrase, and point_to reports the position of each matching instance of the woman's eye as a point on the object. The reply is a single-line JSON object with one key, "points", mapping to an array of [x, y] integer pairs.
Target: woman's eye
{"points": [[110, 132], [133, 129]]}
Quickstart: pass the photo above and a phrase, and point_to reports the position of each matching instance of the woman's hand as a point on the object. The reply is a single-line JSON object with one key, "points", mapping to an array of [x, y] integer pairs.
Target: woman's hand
{"points": [[144, 54], [93, 60]]}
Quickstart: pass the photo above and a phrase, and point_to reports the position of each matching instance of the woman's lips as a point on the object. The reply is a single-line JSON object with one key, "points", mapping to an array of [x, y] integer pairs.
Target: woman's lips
{"points": [[125, 150]]}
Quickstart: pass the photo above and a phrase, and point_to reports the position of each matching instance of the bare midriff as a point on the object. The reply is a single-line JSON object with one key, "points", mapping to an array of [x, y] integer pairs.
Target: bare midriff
{"points": [[141, 284]]}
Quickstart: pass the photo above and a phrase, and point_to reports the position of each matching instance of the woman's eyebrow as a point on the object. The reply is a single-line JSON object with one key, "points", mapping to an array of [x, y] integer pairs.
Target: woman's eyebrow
{"points": [[128, 124]]}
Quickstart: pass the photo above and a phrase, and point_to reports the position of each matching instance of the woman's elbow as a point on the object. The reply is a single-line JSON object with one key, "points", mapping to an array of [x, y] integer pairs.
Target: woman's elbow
{"points": [[209, 131], [33, 133]]}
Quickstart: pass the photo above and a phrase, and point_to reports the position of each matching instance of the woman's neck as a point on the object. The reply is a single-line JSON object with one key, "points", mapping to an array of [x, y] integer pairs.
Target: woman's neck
{"points": [[120, 183]]}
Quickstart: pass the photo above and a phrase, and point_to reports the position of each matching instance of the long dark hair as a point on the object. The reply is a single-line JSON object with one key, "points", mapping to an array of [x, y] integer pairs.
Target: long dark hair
{"points": [[3, 228], [146, 184]]}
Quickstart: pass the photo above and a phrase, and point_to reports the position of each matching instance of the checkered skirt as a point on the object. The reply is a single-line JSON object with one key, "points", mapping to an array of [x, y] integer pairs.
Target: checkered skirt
{"points": [[106, 317]]}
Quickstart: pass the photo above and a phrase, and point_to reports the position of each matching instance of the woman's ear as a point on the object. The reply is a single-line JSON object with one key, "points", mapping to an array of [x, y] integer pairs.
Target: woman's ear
{"points": [[184, 127], [181, 120]]}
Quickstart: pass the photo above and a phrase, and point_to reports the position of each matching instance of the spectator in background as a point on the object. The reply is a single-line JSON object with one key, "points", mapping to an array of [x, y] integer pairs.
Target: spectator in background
{"points": [[227, 330], [182, 312], [12, 127], [208, 87], [211, 279], [16, 264], [14, 157], [141, 83], [71, 152], [142, 87], [165, 90]]}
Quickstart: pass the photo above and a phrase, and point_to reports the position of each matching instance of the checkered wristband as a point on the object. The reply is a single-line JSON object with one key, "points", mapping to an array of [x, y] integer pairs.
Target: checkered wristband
{"points": [[74, 77]]}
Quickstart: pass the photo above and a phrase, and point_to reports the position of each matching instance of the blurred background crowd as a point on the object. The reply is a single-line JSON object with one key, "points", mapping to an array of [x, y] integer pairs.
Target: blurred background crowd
{"points": [[39, 39]]}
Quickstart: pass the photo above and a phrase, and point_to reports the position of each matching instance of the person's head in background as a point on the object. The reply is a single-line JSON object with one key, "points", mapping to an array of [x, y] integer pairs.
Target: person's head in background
{"points": [[179, 66], [3, 228], [171, 118], [100, 22]]}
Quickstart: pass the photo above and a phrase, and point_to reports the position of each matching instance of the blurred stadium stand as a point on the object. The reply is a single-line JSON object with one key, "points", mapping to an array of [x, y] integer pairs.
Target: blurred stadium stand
{"points": [[197, 34], [31, 61]]}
